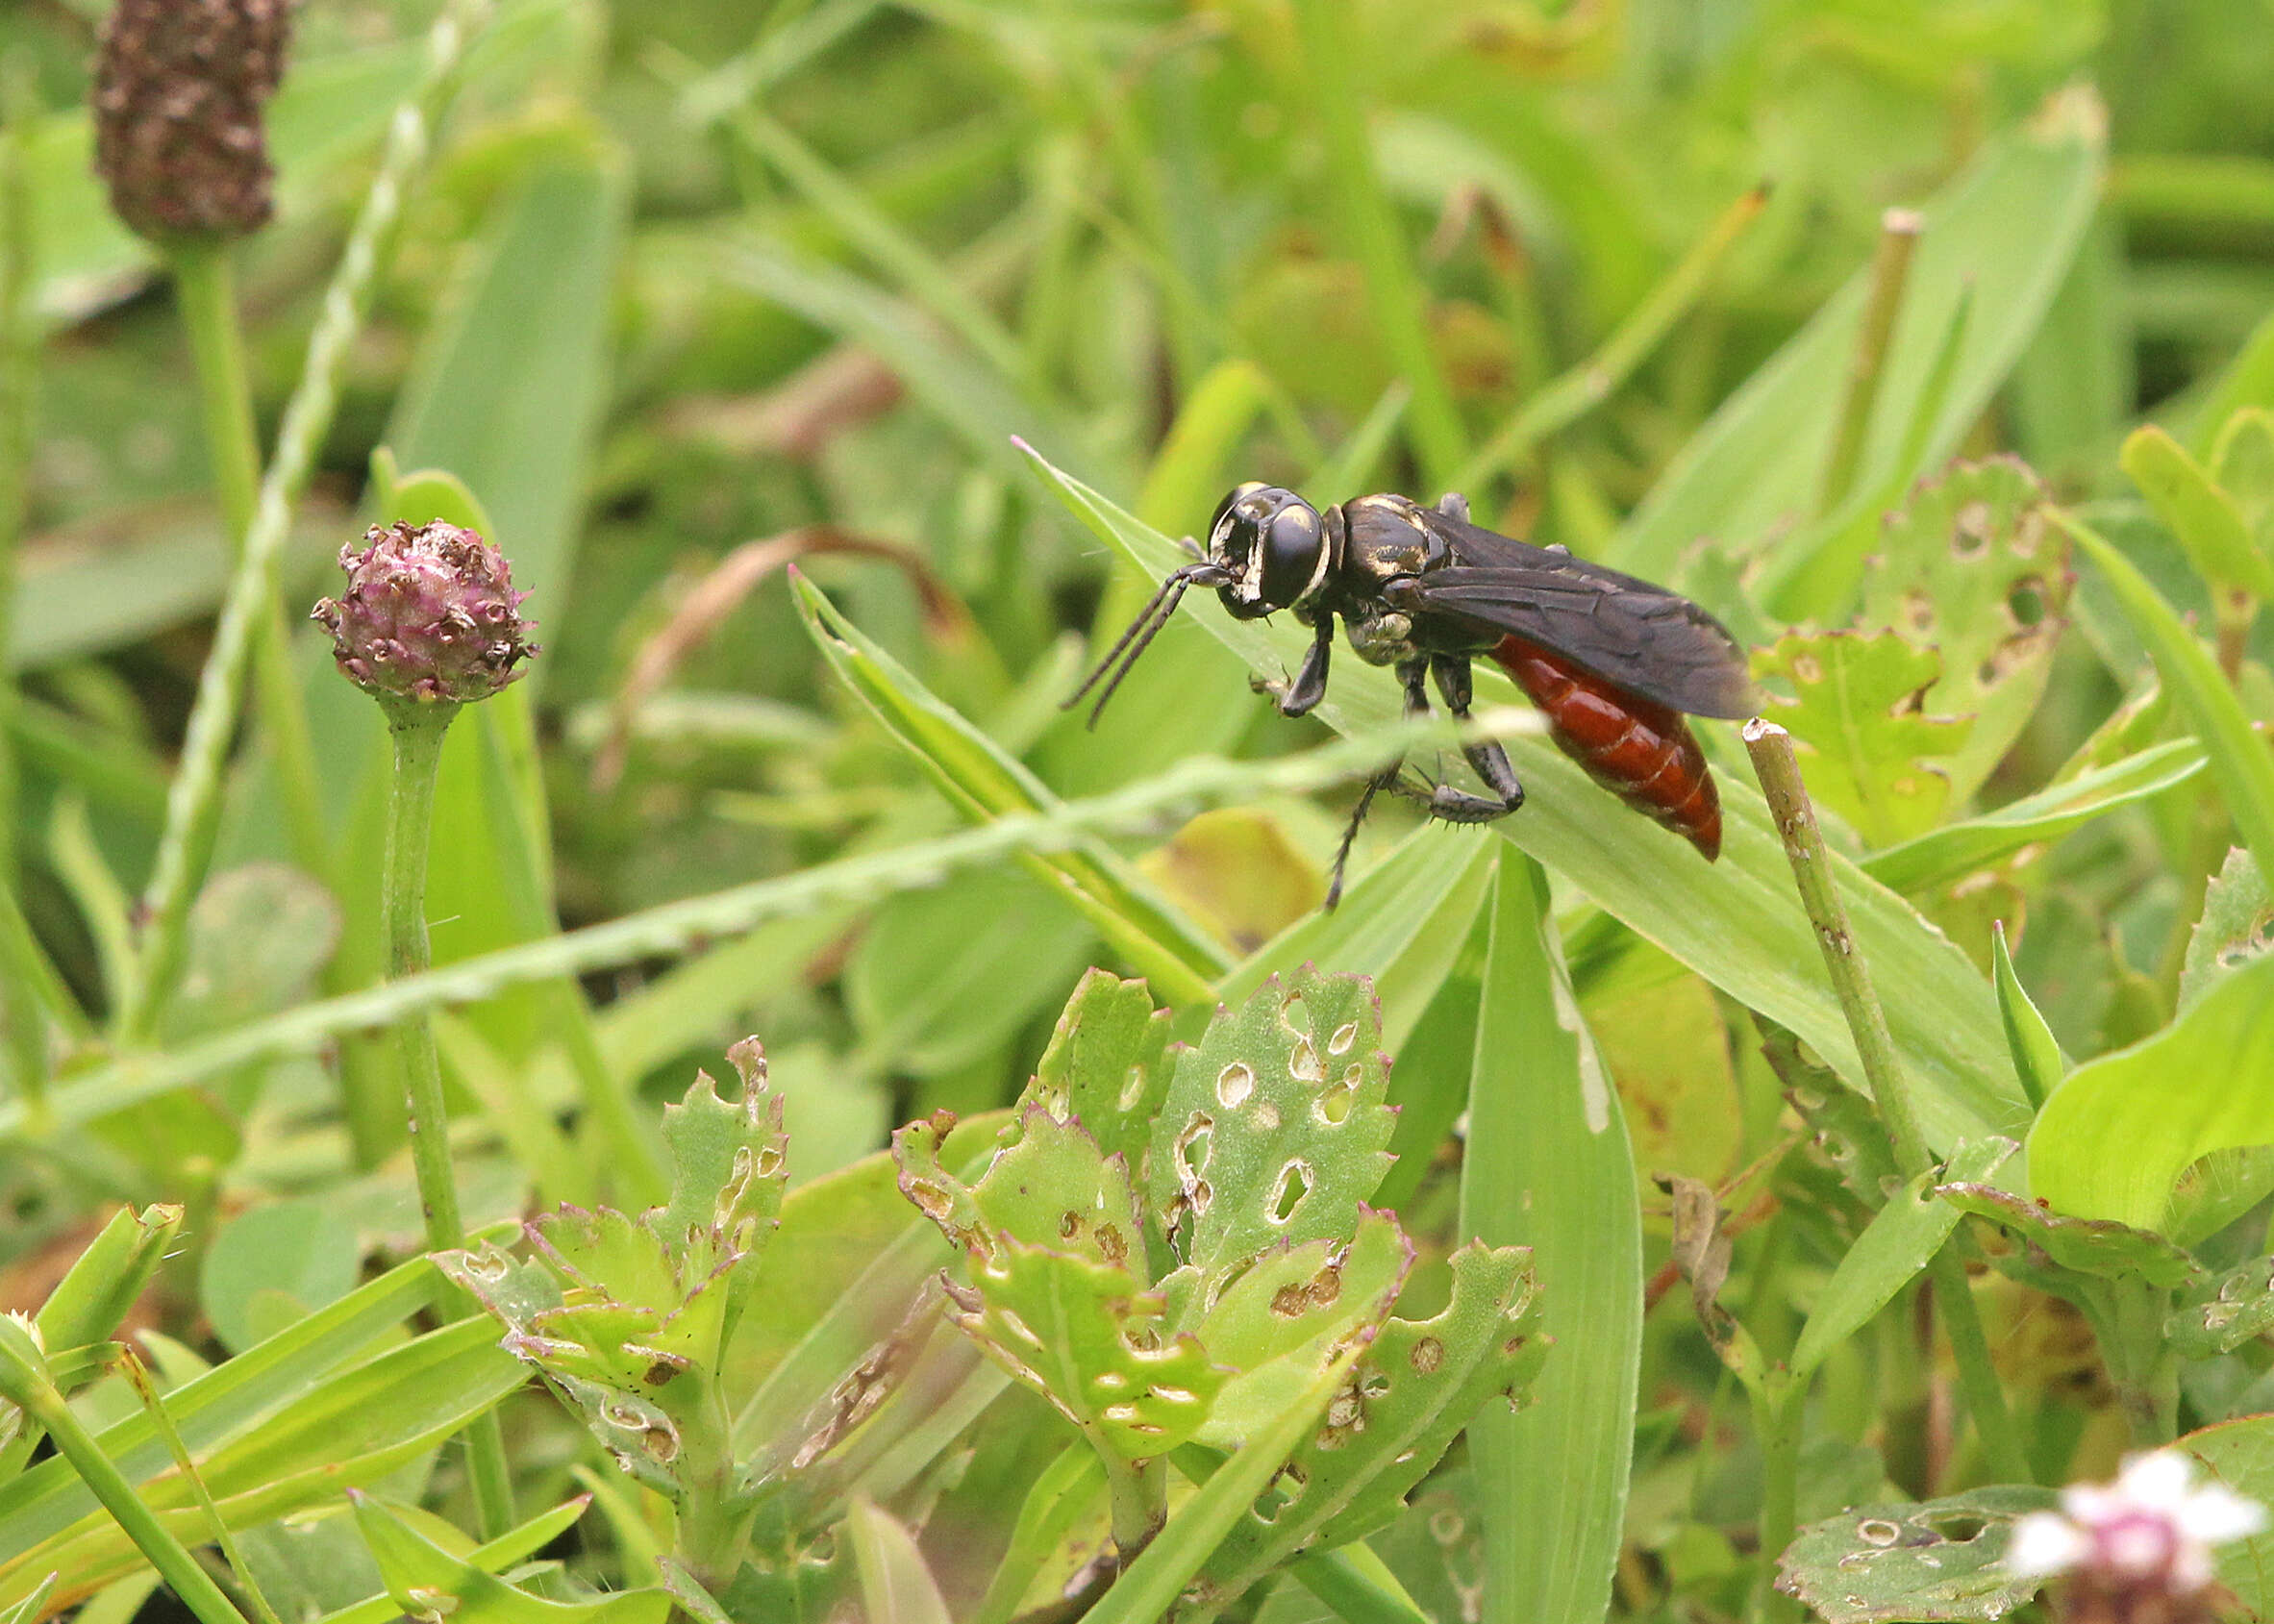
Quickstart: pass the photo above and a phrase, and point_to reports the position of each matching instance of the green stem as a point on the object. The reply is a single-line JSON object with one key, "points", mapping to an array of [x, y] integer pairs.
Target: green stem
{"points": [[1779, 772], [23, 1381], [1777, 1403], [416, 731], [1138, 1495], [2141, 1362], [193, 806], [138, 1377], [20, 995], [1890, 269]]}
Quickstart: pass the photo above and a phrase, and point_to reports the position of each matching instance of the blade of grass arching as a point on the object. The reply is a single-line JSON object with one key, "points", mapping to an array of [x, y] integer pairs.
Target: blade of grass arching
{"points": [[985, 782], [1735, 921], [2007, 229], [1566, 398], [506, 1551], [677, 927], [193, 807], [1956, 849], [781, 47], [1369, 225], [1547, 1165], [2240, 760], [921, 275]]}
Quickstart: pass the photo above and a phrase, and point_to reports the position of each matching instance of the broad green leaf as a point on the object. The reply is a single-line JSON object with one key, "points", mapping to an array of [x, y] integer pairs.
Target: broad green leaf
{"points": [[2037, 1062], [259, 936], [895, 1582], [1548, 1167], [1275, 1128], [1959, 849], [1866, 744], [2202, 518], [2238, 757], [1902, 1237], [2240, 1454], [2100, 1247], [421, 1576], [2000, 237], [1942, 1562], [293, 1253], [1414, 1385], [1971, 568], [2236, 926], [2118, 1132], [2219, 1315], [1106, 1066], [983, 780], [1054, 1186], [1735, 922]]}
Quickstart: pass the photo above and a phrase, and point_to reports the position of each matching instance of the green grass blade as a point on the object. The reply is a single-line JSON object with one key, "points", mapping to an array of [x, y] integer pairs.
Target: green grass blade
{"points": [[2037, 1055], [1548, 1167], [2240, 760]]}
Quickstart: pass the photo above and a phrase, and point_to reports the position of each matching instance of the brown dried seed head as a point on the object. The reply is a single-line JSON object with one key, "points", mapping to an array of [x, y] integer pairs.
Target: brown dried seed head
{"points": [[398, 630], [179, 89]]}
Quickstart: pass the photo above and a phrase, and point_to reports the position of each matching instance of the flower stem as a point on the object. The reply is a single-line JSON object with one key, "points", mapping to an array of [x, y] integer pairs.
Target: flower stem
{"points": [[193, 806], [1779, 771], [416, 731]]}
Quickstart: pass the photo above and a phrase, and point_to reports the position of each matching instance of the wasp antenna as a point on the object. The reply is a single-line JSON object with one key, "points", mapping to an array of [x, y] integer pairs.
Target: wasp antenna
{"points": [[1141, 632]]}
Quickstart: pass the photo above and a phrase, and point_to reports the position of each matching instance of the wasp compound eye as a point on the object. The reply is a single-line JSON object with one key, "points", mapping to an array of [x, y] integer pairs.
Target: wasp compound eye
{"points": [[1274, 545]]}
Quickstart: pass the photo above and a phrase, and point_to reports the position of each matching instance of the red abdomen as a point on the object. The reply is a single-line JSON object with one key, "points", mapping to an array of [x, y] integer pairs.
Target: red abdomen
{"points": [[1640, 750]]}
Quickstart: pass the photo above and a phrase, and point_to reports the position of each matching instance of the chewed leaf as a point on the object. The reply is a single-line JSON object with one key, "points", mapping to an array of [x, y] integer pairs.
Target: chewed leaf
{"points": [[1414, 1388], [609, 1258], [1056, 1188], [1281, 1322], [1938, 1561], [1083, 1335], [1971, 569], [2219, 1317], [731, 1169], [1104, 1066], [2236, 926], [1275, 1127], [1859, 721], [2093, 1246]]}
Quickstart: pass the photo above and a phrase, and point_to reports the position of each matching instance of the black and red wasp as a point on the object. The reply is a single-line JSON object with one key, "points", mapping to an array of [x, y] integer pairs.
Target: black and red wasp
{"points": [[1614, 661]]}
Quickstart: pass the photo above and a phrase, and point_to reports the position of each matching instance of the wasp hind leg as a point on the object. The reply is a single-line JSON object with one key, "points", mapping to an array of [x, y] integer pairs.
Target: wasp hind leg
{"points": [[1488, 759]]}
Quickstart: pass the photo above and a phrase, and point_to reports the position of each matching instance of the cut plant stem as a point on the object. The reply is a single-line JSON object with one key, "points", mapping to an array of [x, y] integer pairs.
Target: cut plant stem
{"points": [[1779, 771], [416, 730], [1890, 268]]}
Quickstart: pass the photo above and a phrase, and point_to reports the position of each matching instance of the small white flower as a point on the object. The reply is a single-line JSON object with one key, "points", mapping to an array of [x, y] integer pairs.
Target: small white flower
{"points": [[2151, 1528]]}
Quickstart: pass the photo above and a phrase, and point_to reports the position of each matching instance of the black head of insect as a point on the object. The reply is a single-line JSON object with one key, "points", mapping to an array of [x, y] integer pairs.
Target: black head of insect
{"points": [[1268, 550]]}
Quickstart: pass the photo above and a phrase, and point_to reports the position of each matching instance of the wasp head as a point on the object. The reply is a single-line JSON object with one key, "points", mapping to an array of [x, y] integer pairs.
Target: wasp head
{"points": [[1272, 544]]}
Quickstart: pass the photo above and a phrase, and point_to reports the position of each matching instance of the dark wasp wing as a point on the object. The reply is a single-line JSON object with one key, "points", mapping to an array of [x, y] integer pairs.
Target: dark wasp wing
{"points": [[1630, 632]]}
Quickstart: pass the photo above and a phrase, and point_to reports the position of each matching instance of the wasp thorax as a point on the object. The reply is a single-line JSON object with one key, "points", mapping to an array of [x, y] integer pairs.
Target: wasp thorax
{"points": [[1274, 545]]}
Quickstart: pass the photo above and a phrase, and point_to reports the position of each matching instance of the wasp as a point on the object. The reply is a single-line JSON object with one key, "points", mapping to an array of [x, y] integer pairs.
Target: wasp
{"points": [[1616, 662]]}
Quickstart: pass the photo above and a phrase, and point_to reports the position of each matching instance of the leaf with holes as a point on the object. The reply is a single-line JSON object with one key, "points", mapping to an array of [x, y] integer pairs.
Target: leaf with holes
{"points": [[1971, 569], [1282, 1322], [729, 1172], [1275, 1127], [2219, 1317], [1106, 1065], [1083, 1334], [2092, 1246], [1412, 1389], [1860, 725], [1939, 1561], [2237, 925], [1051, 1186]]}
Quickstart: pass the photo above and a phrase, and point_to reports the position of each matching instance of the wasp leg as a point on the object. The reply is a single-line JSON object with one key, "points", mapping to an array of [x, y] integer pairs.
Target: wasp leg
{"points": [[1488, 761], [1454, 505], [1309, 686], [1412, 675]]}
